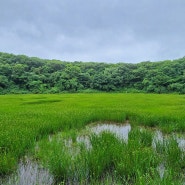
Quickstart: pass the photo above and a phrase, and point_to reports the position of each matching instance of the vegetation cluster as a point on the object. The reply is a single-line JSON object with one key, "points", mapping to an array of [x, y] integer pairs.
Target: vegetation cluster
{"points": [[29, 119], [22, 74], [111, 160]]}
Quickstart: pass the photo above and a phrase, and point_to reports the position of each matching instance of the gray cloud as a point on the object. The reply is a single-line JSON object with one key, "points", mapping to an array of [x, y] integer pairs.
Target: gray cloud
{"points": [[94, 30]]}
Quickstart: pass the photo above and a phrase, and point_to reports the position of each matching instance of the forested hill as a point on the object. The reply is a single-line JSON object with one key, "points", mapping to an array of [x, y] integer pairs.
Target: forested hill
{"points": [[22, 74]]}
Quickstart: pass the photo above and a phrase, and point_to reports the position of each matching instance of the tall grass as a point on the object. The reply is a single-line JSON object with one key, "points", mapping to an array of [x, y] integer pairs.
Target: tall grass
{"points": [[112, 160], [25, 119]]}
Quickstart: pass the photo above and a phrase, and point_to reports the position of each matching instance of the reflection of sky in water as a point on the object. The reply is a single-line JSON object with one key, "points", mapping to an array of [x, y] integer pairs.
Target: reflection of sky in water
{"points": [[161, 170], [160, 138], [120, 131], [29, 173], [181, 142]]}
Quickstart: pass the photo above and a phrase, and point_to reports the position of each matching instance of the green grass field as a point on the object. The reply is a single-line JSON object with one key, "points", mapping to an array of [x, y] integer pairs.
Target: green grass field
{"points": [[27, 119]]}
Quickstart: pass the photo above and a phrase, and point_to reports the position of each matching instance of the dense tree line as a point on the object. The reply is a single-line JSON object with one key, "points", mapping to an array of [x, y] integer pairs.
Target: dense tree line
{"points": [[22, 74]]}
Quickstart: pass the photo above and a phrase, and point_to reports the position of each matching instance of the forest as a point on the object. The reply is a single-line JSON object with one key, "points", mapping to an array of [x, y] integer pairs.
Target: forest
{"points": [[20, 74]]}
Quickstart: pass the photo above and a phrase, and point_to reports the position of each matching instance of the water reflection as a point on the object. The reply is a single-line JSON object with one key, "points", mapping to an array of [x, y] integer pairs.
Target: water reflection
{"points": [[161, 170], [181, 143], [29, 173], [121, 131]]}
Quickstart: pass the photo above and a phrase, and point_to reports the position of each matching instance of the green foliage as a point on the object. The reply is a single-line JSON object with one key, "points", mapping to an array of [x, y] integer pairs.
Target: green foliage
{"points": [[22, 74], [111, 160], [25, 119]]}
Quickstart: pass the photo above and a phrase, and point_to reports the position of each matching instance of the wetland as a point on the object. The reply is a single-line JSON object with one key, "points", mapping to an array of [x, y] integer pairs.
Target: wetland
{"points": [[92, 139]]}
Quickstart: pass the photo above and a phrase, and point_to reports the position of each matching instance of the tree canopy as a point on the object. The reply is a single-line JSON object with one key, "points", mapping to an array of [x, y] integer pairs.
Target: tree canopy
{"points": [[22, 74]]}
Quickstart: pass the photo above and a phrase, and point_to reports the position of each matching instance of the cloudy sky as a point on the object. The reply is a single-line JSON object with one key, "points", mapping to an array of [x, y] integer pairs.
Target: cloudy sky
{"points": [[94, 30]]}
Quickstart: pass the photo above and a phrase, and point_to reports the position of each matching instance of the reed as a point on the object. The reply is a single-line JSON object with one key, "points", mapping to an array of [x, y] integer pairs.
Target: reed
{"points": [[27, 119], [109, 157]]}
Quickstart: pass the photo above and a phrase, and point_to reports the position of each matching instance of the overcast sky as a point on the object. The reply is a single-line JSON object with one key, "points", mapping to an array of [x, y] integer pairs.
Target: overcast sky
{"points": [[94, 30]]}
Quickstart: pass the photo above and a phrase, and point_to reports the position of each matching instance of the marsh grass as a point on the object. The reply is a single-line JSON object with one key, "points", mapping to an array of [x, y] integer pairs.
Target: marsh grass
{"points": [[113, 160], [27, 119]]}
